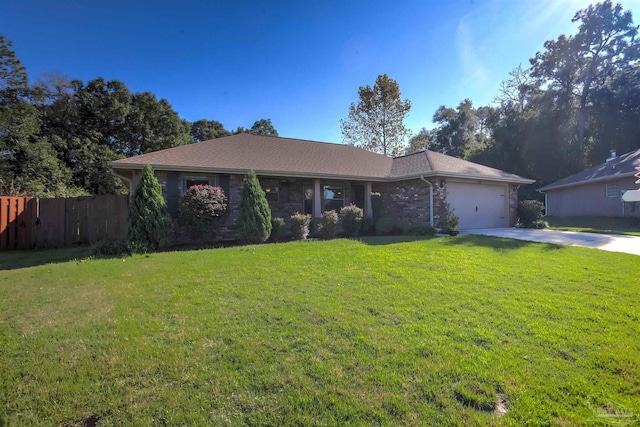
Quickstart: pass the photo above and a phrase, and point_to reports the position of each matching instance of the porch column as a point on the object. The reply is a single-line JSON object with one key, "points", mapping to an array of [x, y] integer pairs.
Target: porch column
{"points": [[368, 210], [317, 208]]}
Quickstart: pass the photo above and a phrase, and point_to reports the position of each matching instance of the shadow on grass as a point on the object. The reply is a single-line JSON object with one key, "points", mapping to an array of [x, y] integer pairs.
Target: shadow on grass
{"points": [[497, 243], [391, 240], [12, 260]]}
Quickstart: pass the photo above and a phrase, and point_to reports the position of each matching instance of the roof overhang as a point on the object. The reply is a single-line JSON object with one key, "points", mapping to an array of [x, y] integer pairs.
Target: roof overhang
{"points": [[508, 180], [552, 187], [289, 174]]}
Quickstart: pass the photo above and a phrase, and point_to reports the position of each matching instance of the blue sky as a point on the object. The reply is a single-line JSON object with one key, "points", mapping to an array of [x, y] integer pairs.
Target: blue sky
{"points": [[299, 63]]}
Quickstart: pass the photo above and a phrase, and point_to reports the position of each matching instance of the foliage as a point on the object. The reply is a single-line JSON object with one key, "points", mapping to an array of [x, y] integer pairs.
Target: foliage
{"points": [[420, 230], [110, 248], [586, 224], [351, 217], [420, 141], [204, 130], [368, 227], [278, 229], [530, 214], [376, 122], [449, 221], [203, 208], [263, 127], [149, 222], [328, 225], [459, 132], [260, 127], [322, 309], [300, 226], [254, 222], [389, 227], [578, 65]]}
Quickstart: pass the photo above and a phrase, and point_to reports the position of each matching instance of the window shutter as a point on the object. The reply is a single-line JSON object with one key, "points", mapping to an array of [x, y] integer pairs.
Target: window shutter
{"points": [[284, 192], [224, 182], [173, 194]]}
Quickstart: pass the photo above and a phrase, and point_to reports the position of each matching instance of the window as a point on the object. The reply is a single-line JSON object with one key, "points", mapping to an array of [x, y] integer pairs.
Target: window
{"points": [[613, 190], [270, 187], [332, 197], [191, 180]]}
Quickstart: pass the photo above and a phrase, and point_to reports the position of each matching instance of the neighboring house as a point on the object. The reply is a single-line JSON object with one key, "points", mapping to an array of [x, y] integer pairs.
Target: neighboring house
{"points": [[312, 177], [596, 191]]}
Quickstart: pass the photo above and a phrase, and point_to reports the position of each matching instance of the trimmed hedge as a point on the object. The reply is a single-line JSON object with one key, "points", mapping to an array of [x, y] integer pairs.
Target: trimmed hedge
{"points": [[300, 226], [329, 225]]}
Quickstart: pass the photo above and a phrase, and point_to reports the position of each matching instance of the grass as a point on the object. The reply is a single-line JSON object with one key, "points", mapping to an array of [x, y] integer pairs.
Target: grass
{"points": [[606, 225], [423, 332]]}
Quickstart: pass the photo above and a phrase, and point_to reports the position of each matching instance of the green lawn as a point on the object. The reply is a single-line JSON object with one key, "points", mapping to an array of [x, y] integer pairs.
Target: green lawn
{"points": [[607, 225], [424, 332]]}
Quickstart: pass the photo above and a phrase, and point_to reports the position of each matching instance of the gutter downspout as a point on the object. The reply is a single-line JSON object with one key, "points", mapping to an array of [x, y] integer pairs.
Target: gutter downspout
{"points": [[430, 199]]}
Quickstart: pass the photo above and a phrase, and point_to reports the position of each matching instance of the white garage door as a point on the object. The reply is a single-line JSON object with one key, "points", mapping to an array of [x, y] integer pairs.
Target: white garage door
{"points": [[479, 205]]}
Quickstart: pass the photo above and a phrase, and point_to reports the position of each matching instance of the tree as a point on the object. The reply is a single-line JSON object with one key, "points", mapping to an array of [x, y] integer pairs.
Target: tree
{"points": [[263, 127], [151, 125], [14, 83], [260, 127], [28, 163], [457, 133], [149, 222], [516, 91], [254, 223], [576, 66], [376, 122], [204, 130], [420, 141]]}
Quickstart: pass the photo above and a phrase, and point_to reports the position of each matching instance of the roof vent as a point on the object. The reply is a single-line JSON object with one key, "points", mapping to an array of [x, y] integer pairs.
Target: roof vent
{"points": [[612, 155]]}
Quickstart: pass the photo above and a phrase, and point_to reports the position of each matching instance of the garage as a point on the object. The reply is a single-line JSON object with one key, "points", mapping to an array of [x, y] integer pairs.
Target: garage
{"points": [[479, 205]]}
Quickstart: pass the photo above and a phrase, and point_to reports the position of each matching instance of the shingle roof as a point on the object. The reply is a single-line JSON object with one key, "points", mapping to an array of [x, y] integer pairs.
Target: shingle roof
{"points": [[620, 167], [295, 157], [441, 164]]}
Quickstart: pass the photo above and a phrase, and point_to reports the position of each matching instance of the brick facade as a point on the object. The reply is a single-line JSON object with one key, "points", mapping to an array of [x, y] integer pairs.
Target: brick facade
{"points": [[405, 202]]}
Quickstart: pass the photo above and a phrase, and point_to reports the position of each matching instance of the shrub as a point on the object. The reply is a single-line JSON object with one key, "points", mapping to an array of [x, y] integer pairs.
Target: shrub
{"points": [[329, 225], [449, 220], [530, 214], [111, 248], [203, 208], [300, 226], [368, 227], [351, 220], [421, 230], [277, 229], [384, 227], [254, 223], [149, 222]]}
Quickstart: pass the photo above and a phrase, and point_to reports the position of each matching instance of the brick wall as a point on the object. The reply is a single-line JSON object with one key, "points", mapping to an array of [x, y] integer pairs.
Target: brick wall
{"points": [[406, 202]]}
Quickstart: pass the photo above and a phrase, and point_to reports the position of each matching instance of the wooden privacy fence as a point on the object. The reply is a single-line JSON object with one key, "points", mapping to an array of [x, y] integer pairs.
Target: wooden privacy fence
{"points": [[17, 217], [27, 223]]}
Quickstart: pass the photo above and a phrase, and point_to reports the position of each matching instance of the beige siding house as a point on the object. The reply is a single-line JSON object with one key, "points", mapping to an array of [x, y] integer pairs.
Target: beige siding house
{"points": [[596, 191], [312, 177]]}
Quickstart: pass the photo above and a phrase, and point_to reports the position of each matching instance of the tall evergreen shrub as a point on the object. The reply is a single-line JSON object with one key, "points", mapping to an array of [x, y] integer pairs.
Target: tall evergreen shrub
{"points": [[149, 222], [254, 223]]}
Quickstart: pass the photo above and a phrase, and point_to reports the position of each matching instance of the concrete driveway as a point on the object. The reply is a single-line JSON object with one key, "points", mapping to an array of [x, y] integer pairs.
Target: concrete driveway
{"points": [[606, 242]]}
